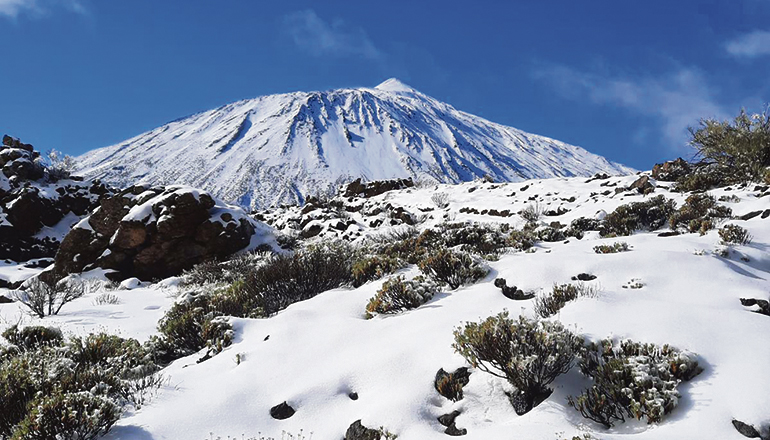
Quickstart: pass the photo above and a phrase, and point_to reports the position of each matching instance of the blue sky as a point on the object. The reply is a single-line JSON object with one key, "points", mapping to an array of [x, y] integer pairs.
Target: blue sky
{"points": [[622, 79]]}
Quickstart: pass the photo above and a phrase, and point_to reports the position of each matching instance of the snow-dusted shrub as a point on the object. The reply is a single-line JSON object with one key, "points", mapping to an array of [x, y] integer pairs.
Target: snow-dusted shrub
{"points": [[285, 279], [632, 380], [192, 324], [398, 294], [68, 416], [532, 212], [549, 234], [523, 239], [699, 213], [549, 304], [32, 337], [43, 298], [454, 268], [481, 239], [374, 267], [651, 214], [614, 248], [105, 299], [441, 200], [213, 272], [99, 366], [734, 234], [529, 354], [739, 150]]}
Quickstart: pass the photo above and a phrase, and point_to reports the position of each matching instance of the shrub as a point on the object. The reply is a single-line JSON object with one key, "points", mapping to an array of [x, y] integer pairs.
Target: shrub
{"points": [[549, 234], [32, 337], [441, 200], [374, 267], [191, 325], [550, 304], [285, 279], [614, 248], [454, 268], [651, 214], [68, 416], [702, 178], [43, 298], [631, 380], [106, 298], [734, 234], [738, 150], [223, 272], [398, 294], [523, 239], [529, 354], [699, 213], [477, 238], [532, 213]]}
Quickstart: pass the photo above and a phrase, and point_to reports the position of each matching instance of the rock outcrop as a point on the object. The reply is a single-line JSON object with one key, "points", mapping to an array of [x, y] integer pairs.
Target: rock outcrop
{"points": [[153, 233], [35, 199]]}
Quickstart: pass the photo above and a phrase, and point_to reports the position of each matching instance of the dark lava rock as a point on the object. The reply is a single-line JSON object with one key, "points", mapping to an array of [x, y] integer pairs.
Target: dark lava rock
{"points": [[357, 188], [766, 213], [764, 306], [512, 292], [450, 385], [448, 420], [669, 234], [643, 185], [357, 431], [750, 215], [745, 429], [169, 230], [5, 300], [282, 411], [353, 396], [584, 277], [453, 431], [671, 171]]}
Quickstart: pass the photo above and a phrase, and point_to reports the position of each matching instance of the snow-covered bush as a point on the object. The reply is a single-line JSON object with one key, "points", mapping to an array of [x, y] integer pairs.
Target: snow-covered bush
{"points": [[632, 380], [529, 354], [398, 294], [68, 416], [214, 272], [374, 267], [614, 248], [32, 337], [651, 214], [699, 213], [486, 240], [191, 324], [550, 234], [285, 279], [738, 150], [532, 212], [441, 200], [734, 234], [454, 268], [523, 239], [65, 379], [549, 304], [44, 299]]}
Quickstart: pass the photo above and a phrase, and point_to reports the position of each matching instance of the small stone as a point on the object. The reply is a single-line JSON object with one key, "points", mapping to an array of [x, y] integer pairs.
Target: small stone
{"points": [[745, 429], [353, 396]]}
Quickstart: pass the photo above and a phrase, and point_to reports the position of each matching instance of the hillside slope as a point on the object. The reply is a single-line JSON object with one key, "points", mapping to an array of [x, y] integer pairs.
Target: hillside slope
{"points": [[279, 149], [682, 290]]}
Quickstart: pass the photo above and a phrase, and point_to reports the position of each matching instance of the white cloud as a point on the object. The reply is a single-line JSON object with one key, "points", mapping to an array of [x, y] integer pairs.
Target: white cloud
{"points": [[675, 101], [751, 45], [313, 34], [13, 8]]}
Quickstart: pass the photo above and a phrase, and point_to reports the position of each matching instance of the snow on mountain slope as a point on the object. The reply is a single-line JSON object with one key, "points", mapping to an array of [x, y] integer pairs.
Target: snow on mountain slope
{"points": [[278, 149], [321, 349]]}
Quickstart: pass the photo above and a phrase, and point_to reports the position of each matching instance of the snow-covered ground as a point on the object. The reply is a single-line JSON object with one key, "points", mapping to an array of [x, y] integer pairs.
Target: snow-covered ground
{"points": [[316, 352]]}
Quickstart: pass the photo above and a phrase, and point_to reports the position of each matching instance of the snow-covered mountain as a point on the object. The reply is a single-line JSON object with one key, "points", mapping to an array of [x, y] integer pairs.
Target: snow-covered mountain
{"points": [[281, 148]]}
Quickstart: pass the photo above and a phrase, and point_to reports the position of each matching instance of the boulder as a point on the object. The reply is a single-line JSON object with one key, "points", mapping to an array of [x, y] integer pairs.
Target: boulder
{"points": [[152, 233], [282, 411], [671, 171], [642, 185], [357, 431], [450, 385], [745, 429]]}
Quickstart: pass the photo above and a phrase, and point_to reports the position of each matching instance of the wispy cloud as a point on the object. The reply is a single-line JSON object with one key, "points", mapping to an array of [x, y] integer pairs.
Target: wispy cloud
{"points": [[38, 8], [751, 45], [318, 37], [674, 102]]}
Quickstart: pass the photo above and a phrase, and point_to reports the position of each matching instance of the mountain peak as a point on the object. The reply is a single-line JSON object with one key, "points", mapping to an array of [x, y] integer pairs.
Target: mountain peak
{"points": [[394, 85]]}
